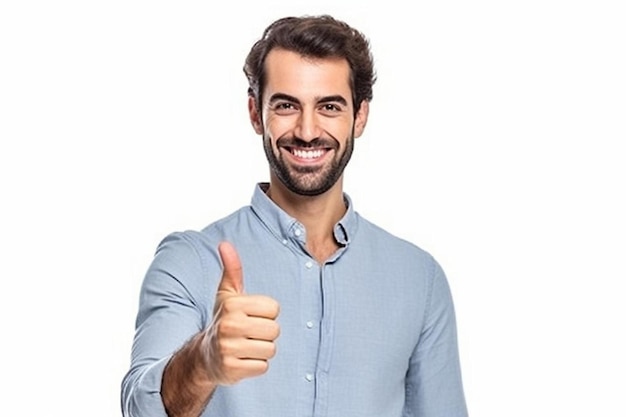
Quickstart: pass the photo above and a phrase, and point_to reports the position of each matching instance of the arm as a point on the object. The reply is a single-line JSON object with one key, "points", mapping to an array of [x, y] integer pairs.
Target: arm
{"points": [[186, 386], [177, 286], [434, 385], [172, 309], [237, 344]]}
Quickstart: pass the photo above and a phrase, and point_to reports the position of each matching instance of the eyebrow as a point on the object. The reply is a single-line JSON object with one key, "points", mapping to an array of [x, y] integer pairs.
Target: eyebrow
{"points": [[327, 99], [282, 96], [330, 99]]}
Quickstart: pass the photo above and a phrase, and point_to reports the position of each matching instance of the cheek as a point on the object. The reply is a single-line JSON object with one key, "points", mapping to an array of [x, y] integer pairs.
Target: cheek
{"points": [[339, 129], [276, 127]]}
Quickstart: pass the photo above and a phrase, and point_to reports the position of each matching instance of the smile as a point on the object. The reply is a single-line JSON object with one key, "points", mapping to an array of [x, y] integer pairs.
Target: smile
{"points": [[308, 154]]}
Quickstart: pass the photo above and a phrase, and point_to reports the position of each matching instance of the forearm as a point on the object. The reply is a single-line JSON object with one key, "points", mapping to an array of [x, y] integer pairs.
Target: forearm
{"points": [[186, 387]]}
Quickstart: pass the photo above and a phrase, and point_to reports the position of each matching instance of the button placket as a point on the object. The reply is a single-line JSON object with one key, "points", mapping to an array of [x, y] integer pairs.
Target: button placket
{"points": [[310, 315]]}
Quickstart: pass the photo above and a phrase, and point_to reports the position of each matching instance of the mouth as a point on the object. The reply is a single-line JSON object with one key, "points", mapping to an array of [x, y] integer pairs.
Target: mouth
{"points": [[307, 155]]}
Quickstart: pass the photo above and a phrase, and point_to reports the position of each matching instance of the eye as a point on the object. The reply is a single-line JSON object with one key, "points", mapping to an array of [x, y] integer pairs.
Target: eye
{"points": [[330, 109], [284, 107]]}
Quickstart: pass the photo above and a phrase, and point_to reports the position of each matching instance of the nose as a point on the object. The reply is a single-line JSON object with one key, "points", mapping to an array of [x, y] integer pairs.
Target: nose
{"points": [[308, 127]]}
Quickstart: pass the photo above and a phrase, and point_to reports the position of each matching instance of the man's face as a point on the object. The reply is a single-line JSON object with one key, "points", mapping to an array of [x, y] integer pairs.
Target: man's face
{"points": [[307, 122]]}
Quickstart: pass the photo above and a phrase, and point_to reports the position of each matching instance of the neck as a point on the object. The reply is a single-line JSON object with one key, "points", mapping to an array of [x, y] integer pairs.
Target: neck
{"points": [[318, 214]]}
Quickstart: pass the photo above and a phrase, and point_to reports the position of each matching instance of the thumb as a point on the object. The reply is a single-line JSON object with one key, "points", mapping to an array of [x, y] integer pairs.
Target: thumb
{"points": [[232, 275]]}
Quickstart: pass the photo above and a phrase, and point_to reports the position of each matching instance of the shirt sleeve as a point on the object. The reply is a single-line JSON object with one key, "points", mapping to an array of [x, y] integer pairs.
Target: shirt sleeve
{"points": [[174, 302], [434, 387]]}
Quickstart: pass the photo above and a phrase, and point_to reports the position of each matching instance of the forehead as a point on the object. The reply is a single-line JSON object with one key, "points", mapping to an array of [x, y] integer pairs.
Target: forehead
{"points": [[305, 77]]}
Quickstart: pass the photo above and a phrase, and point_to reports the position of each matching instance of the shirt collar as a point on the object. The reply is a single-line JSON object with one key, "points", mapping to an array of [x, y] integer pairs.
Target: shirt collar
{"points": [[285, 227]]}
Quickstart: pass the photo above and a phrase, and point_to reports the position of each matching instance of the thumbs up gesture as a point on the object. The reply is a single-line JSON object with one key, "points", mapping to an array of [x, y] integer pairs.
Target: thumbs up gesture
{"points": [[244, 328]]}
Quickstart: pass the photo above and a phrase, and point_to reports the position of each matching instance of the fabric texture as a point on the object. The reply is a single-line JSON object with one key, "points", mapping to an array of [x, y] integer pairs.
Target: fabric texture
{"points": [[370, 333]]}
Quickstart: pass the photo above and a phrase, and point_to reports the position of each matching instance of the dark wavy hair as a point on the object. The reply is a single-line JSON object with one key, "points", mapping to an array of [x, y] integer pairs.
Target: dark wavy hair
{"points": [[316, 37]]}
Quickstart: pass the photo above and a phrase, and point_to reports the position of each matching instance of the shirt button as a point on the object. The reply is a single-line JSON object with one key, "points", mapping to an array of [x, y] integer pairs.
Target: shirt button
{"points": [[297, 232], [309, 324], [309, 377], [308, 264], [284, 241]]}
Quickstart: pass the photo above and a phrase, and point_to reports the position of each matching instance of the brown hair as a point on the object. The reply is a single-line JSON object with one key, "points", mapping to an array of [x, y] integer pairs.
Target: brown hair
{"points": [[317, 37]]}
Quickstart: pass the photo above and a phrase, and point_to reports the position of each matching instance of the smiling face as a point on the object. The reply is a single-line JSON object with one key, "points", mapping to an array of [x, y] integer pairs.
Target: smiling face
{"points": [[307, 120]]}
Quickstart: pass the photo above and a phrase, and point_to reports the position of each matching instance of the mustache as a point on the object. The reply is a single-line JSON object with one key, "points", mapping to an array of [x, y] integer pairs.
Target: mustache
{"points": [[295, 142]]}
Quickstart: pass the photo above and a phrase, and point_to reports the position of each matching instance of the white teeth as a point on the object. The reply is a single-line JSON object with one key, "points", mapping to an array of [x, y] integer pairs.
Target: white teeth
{"points": [[307, 154]]}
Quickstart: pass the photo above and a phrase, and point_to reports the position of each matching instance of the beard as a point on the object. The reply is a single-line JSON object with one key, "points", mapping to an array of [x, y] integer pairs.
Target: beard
{"points": [[308, 180]]}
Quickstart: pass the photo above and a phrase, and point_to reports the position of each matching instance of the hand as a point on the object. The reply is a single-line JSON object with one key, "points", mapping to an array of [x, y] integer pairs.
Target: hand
{"points": [[240, 340]]}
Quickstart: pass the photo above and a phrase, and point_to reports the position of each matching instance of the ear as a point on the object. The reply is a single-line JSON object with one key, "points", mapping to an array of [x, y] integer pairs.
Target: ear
{"points": [[255, 116], [360, 120]]}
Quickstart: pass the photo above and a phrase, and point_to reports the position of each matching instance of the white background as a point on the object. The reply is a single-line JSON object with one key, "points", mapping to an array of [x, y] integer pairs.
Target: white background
{"points": [[495, 142]]}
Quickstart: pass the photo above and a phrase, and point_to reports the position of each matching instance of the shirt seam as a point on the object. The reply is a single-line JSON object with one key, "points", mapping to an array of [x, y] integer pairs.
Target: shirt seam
{"points": [[429, 295], [203, 267]]}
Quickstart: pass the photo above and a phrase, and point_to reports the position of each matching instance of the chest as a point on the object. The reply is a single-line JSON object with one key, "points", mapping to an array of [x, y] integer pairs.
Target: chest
{"points": [[353, 310]]}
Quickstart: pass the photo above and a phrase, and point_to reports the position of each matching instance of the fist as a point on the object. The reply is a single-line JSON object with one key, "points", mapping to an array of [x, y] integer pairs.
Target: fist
{"points": [[241, 339]]}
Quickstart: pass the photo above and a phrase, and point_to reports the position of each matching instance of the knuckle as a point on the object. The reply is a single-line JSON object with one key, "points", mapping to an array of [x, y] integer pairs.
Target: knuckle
{"points": [[230, 371], [226, 327], [230, 305], [229, 365], [225, 349]]}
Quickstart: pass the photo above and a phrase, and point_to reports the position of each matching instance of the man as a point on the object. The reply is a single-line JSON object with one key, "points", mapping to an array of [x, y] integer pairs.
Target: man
{"points": [[296, 305]]}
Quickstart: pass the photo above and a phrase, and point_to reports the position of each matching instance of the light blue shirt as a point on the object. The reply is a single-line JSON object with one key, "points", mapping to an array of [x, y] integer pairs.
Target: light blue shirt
{"points": [[369, 333]]}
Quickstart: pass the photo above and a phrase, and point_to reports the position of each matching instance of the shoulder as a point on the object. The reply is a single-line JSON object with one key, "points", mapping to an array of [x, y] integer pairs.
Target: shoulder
{"points": [[199, 246], [380, 239], [213, 233], [406, 258], [191, 257]]}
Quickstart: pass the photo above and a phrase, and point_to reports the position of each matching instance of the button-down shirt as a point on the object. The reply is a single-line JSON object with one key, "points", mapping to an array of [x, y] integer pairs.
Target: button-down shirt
{"points": [[370, 332]]}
